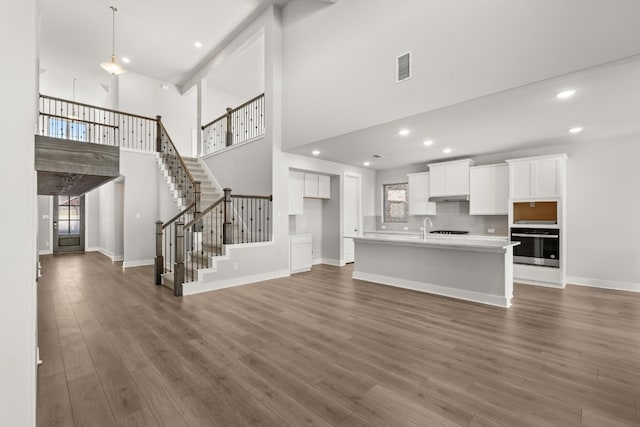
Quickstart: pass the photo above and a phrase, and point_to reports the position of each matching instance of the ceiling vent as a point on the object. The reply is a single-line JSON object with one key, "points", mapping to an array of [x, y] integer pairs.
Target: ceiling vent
{"points": [[403, 67]]}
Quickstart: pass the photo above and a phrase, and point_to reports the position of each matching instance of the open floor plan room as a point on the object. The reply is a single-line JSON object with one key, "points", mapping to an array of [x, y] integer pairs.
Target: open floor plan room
{"points": [[322, 349]]}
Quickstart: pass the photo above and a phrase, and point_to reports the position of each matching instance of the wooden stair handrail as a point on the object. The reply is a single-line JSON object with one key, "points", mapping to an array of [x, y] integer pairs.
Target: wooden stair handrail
{"points": [[184, 166], [71, 119], [204, 212], [175, 218]]}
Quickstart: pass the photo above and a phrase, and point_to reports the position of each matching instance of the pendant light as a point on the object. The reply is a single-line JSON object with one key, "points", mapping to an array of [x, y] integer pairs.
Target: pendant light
{"points": [[112, 66]]}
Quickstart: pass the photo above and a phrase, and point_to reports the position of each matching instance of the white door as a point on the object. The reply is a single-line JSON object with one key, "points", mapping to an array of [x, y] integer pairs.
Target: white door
{"points": [[351, 214]]}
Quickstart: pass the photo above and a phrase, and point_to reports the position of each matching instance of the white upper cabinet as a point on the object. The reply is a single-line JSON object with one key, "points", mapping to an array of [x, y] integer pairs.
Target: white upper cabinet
{"points": [[537, 177], [419, 195], [449, 178], [296, 193], [324, 186], [489, 190], [317, 186]]}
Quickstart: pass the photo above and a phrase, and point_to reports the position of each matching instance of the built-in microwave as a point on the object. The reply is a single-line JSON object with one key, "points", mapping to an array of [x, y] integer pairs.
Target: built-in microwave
{"points": [[538, 246], [535, 212]]}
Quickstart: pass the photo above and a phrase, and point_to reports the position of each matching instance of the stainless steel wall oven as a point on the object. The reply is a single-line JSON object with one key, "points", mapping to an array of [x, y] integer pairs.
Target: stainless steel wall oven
{"points": [[538, 246]]}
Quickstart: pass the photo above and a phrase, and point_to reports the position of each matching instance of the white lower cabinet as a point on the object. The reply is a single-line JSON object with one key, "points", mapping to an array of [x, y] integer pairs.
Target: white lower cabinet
{"points": [[300, 252]]}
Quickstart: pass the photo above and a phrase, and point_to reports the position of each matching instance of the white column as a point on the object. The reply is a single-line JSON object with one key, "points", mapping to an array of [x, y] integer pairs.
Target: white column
{"points": [[202, 111]]}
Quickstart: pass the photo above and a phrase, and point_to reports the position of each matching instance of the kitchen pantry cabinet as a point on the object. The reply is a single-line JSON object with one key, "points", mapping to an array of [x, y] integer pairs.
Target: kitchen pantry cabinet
{"points": [[419, 195], [537, 177], [449, 178], [296, 193], [301, 252], [489, 190], [317, 186]]}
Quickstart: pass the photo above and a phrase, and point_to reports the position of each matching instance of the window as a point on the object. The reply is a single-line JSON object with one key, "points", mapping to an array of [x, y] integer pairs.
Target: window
{"points": [[396, 202], [67, 129]]}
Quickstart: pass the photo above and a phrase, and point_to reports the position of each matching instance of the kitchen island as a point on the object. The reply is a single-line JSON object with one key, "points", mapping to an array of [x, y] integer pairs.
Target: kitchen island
{"points": [[473, 268]]}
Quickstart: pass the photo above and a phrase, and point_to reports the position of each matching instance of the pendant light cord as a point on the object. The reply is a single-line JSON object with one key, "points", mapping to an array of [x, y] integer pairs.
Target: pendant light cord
{"points": [[113, 31]]}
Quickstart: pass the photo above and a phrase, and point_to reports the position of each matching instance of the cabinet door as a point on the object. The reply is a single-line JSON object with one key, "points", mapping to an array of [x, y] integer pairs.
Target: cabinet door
{"points": [[520, 180], [457, 178], [419, 195], [501, 194], [324, 186], [481, 191], [296, 193], [438, 181], [546, 178], [301, 254], [310, 185]]}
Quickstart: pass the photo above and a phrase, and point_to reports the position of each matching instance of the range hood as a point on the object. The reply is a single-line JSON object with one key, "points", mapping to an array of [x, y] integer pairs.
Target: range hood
{"points": [[460, 198]]}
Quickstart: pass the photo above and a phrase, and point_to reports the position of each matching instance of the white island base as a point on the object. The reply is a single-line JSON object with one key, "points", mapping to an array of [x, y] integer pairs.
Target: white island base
{"points": [[473, 269]]}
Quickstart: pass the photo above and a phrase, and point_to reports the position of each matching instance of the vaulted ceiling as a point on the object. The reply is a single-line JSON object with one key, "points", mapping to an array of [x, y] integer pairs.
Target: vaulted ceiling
{"points": [[158, 37]]}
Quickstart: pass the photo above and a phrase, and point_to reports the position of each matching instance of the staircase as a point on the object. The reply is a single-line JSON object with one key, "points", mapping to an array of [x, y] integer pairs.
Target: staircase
{"points": [[209, 191], [201, 248]]}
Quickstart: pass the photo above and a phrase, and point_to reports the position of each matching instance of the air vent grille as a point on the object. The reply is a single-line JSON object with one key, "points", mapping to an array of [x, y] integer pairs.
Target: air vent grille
{"points": [[403, 67]]}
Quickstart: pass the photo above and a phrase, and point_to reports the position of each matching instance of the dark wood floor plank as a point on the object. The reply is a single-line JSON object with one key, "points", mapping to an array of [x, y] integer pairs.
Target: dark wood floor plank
{"points": [[54, 407], [321, 349], [88, 402]]}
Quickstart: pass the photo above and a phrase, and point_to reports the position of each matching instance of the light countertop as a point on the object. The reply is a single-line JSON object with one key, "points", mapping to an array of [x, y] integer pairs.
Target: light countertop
{"points": [[457, 242]]}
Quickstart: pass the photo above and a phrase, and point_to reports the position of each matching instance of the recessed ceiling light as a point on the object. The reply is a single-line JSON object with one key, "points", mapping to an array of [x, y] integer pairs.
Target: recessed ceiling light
{"points": [[198, 45], [125, 60], [447, 150], [315, 152], [576, 129], [428, 143], [566, 94], [367, 163], [404, 132]]}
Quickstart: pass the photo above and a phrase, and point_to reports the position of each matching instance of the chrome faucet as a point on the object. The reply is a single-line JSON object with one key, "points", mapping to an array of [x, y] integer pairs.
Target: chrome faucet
{"points": [[425, 233]]}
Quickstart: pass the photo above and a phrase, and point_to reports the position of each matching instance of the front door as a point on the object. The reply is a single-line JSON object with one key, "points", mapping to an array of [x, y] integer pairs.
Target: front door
{"points": [[68, 224]]}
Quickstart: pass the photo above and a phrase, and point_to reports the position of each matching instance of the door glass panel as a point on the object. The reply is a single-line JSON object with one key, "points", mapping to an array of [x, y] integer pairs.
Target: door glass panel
{"points": [[63, 227], [74, 227]]}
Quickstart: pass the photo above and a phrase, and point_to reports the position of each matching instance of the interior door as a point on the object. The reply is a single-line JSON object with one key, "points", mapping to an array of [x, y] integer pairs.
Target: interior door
{"points": [[351, 215], [68, 224]]}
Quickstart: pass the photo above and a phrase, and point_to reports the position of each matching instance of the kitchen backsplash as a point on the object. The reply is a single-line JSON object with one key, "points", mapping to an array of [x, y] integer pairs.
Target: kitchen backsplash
{"points": [[449, 216]]}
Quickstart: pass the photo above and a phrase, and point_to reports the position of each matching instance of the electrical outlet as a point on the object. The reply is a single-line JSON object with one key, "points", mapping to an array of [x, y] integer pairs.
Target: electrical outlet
{"points": [[491, 230], [384, 227], [405, 228]]}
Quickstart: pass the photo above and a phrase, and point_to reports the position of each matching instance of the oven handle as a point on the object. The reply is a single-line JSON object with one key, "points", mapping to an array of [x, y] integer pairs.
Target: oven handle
{"points": [[543, 236]]}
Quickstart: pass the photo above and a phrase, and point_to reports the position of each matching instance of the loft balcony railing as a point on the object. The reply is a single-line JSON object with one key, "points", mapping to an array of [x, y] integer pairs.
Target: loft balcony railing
{"points": [[237, 125], [61, 118]]}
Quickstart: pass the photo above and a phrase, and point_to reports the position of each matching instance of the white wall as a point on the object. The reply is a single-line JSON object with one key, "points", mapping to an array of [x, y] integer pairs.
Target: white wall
{"points": [[339, 58], [19, 88], [246, 168], [217, 102], [145, 96]]}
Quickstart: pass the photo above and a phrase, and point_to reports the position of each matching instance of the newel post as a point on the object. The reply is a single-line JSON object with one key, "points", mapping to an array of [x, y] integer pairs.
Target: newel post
{"points": [[159, 265], [227, 230], [178, 266], [158, 134], [229, 135]]}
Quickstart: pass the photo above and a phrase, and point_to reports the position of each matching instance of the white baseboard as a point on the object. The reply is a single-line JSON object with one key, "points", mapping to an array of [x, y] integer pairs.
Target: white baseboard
{"points": [[328, 261], [137, 263], [604, 284], [45, 252], [93, 249], [536, 283], [435, 289], [192, 288]]}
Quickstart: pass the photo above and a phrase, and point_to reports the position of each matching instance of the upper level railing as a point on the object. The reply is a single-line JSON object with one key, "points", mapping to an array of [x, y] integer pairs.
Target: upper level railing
{"points": [[236, 126], [61, 118]]}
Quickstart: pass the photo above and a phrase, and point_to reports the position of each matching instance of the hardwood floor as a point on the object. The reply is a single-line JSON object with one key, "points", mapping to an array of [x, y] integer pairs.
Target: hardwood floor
{"points": [[320, 349]]}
